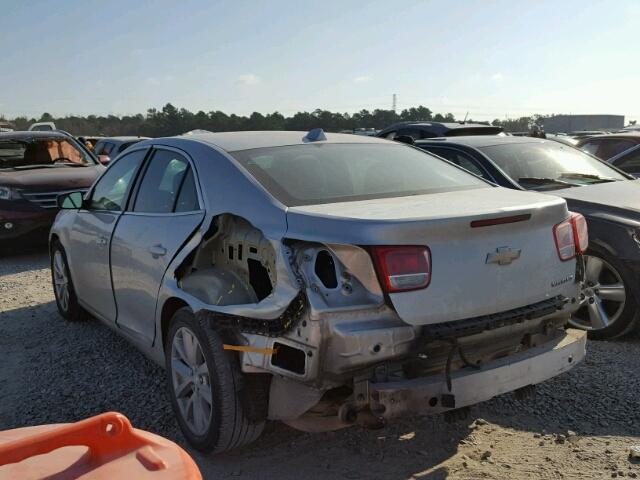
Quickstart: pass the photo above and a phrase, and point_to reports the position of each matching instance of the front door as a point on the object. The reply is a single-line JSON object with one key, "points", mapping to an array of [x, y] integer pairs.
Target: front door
{"points": [[93, 227], [165, 212]]}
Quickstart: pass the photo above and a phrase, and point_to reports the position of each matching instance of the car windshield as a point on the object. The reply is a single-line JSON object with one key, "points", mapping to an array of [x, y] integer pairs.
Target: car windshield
{"points": [[41, 153], [326, 173], [549, 165]]}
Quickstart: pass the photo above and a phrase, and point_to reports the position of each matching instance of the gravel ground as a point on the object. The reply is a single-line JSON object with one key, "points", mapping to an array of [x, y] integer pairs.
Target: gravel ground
{"points": [[579, 425]]}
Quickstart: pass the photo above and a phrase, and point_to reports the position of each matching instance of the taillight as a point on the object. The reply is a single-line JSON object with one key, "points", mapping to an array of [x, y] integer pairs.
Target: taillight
{"points": [[403, 268], [571, 236], [580, 232]]}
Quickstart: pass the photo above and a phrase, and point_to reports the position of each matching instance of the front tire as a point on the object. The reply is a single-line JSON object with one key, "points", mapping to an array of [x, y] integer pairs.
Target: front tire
{"points": [[65, 294], [608, 305], [205, 385]]}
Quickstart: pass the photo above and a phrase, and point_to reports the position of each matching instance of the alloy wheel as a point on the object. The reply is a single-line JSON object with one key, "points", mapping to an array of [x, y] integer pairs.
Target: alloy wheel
{"points": [[61, 280], [191, 381], [603, 296]]}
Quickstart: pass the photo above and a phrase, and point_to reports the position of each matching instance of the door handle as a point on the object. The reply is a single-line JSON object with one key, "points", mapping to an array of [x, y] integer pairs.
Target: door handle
{"points": [[157, 251], [102, 241]]}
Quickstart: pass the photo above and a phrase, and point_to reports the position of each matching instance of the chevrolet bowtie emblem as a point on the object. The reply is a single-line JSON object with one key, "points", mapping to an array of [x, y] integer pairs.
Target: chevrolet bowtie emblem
{"points": [[503, 256]]}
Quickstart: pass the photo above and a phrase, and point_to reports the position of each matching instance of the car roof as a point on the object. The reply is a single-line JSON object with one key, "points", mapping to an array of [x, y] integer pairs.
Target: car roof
{"points": [[634, 135], [439, 125], [447, 125], [234, 141], [120, 139], [24, 135], [479, 141]]}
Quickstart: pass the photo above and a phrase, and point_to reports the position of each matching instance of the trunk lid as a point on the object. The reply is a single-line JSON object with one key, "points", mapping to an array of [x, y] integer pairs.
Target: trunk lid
{"points": [[474, 270]]}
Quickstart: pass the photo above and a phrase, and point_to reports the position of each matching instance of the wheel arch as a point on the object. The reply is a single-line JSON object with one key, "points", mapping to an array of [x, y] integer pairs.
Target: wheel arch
{"points": [[169, 308]]}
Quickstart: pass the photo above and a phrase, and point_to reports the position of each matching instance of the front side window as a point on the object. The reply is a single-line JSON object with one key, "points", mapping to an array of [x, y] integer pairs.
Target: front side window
{"points": [[161, 183], [327, 173], [630, 163], [110, 193], [41, 153], [459, 158], [549, 164], [611, 148]]}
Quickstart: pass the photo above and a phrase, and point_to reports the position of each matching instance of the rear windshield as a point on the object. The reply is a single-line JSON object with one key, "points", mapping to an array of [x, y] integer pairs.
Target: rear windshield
{"points": [[41, 153], [549, 160], [326, 173]]}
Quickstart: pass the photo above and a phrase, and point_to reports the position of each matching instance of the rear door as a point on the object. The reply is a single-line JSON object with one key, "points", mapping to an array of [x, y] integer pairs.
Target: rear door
{"points": [[164, 211], [92, 231]]}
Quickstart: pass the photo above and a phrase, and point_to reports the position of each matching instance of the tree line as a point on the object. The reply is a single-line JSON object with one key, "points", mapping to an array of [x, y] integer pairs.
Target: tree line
{"points": [[170, 121]]}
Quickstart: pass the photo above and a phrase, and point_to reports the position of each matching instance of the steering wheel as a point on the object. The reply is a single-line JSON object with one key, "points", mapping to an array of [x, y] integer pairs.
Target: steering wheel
{"points": [[62, 160]]}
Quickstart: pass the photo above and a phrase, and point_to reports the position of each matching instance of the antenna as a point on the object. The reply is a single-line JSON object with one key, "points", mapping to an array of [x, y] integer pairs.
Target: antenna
{"points": [[394, 102], [465, 117]]}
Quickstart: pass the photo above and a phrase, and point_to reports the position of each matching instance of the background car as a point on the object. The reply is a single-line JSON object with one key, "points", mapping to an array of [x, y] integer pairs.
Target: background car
{"points": [[108, 148], [42, 127], [608, 146], [603, 194], [35, 167], [89, 140], [6, 126], [418, 130], [274, 273]]}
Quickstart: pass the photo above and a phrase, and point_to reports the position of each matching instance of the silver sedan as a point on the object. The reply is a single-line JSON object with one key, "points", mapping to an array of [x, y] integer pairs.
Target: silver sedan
{"points": [[321, 280]]}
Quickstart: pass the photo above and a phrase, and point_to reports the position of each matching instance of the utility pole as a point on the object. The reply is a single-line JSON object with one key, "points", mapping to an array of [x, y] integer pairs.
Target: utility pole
{"points": [[394, 103]]}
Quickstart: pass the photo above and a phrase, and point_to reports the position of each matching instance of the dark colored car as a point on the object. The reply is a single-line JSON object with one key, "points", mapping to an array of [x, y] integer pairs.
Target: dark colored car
{"points": [[606, 196], [628, 161], [35, 167], [419, 130], [608, 146], [109, 148]]}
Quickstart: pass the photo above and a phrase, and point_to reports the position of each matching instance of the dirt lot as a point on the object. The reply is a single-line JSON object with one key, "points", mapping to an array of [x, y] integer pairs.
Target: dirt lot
{"points": [[579, 425]]}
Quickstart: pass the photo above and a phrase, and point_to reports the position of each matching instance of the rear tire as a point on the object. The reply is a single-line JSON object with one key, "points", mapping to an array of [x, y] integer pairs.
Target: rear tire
{"points": [[609, 307], [65, 294], [208, 391]]}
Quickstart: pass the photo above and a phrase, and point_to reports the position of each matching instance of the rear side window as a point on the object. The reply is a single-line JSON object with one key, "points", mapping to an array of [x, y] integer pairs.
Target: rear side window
{"points": [[188, 196], [415, 133], [161, 183], [326, 173]]}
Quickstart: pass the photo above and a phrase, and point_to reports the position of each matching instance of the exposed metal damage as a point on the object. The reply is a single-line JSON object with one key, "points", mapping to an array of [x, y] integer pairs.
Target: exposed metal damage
{"points": [[341, 354]]}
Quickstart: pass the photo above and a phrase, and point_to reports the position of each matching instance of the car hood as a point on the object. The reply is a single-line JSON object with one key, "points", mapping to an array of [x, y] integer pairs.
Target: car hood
{"points": [[614, 195], [44, 179]]}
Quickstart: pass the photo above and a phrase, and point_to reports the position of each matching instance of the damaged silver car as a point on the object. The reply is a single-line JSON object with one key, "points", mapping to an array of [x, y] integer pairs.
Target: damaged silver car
{"points": [[323, 280]]}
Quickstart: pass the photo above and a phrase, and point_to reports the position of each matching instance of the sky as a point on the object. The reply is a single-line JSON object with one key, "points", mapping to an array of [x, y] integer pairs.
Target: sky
{"points": [[492, 59]]}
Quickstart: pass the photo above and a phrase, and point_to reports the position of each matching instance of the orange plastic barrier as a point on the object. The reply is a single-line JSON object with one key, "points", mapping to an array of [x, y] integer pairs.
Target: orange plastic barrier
{"points": [[99, 448]]}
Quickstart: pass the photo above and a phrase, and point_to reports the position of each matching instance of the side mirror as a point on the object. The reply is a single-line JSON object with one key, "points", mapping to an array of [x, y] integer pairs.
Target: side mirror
{"points": [[70, 201]]}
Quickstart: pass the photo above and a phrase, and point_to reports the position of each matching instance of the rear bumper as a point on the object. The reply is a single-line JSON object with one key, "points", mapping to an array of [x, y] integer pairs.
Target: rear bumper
{"points": [[469, 386]]}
